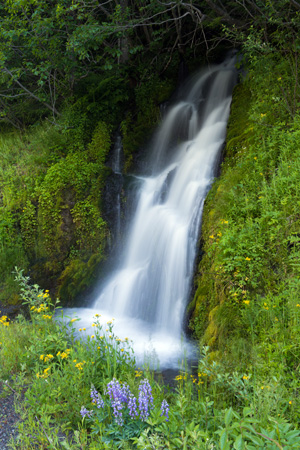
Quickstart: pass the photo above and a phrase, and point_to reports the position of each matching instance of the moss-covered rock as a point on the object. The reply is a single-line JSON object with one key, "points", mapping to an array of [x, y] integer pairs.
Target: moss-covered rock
{"points": [[250, 215]]}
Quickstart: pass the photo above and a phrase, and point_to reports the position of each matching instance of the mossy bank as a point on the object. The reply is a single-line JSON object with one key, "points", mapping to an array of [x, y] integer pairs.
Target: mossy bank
{"points": [[247, 282]]}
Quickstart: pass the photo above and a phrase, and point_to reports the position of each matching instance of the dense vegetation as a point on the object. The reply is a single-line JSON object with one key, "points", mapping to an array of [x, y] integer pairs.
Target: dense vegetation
{"points": [[88, 393], [71, 73]]}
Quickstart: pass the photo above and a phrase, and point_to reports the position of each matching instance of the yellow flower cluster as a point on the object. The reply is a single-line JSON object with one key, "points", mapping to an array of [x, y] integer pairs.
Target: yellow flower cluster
{"points": [[65, 354], [46, 358], [41, 308], [45, 295], [4, 320], [138, 373], [180, 377], [79, 365], [46, 316], [45, 374]]}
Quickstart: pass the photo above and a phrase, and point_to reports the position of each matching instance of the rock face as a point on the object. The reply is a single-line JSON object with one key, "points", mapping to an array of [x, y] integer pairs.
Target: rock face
{"points": [[11, 311]]}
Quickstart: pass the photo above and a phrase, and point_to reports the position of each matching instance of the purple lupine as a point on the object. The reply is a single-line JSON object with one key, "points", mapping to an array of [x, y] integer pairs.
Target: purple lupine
{"points": [[118, 395], [132, 406], [165, 409], [125, 392], [85, 412], [96, 398], [145, 399]]}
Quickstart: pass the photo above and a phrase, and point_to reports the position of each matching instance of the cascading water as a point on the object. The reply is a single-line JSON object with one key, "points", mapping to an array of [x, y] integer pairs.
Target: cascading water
{"points": [[117, 169], [147, 295]]}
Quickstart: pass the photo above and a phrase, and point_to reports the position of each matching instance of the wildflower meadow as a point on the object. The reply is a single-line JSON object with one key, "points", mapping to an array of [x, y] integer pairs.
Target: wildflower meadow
{"points": [[87, 393]]}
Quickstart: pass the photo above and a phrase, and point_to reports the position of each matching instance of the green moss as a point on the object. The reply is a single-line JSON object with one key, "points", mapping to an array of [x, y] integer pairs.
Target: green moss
{"points": [[250, 215], [139, 124], [77, 276], [50, 202]]}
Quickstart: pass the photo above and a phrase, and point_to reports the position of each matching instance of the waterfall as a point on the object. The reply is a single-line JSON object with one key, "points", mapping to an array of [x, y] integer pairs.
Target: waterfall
{"points": [[116, 157], [117, 169], [148, 293]]}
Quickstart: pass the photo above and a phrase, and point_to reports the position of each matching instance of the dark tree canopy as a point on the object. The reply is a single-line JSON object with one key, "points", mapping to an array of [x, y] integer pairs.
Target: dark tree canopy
{"points": [[46, 48]]}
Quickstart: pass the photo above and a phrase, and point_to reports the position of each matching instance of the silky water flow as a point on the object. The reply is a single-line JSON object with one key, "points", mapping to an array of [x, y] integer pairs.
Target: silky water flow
{"points": [[148, 293]]}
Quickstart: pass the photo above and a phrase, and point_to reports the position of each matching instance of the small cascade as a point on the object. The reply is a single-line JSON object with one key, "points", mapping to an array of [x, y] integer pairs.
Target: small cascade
{"points": [[113, 189], [117, 154], [148, 292], [117, 168]]}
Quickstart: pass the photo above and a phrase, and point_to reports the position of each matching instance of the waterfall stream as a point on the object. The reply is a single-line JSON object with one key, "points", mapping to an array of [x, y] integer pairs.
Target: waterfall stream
{"points": [[147, 294]]}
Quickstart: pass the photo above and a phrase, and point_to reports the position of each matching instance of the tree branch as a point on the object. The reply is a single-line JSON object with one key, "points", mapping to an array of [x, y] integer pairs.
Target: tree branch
{"points": [[31, 94]]}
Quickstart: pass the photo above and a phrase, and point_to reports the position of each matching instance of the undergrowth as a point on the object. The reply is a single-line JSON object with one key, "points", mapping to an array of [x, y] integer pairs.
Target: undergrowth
{"points": [[85, 392]]}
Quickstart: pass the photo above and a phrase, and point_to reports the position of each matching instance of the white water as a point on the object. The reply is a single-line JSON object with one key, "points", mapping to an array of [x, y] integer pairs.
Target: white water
{"points": [[147, 295]]}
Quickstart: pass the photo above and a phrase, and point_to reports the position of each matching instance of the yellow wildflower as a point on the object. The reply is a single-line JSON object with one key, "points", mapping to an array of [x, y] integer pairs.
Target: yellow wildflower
{"points": [[248, 259], [79, 366], [246, 302]]}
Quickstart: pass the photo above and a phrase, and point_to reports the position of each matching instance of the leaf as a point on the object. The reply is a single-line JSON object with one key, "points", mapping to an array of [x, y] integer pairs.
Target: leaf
{"points": [[223, 439], [255, 439], [239, 443], [228, 416], [247, 411]]}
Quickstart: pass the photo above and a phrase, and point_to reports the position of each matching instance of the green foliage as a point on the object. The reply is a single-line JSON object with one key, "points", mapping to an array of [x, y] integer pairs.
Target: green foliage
{"points": [[208, 408], [251, 211], [136, 130], [50, 204]]}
